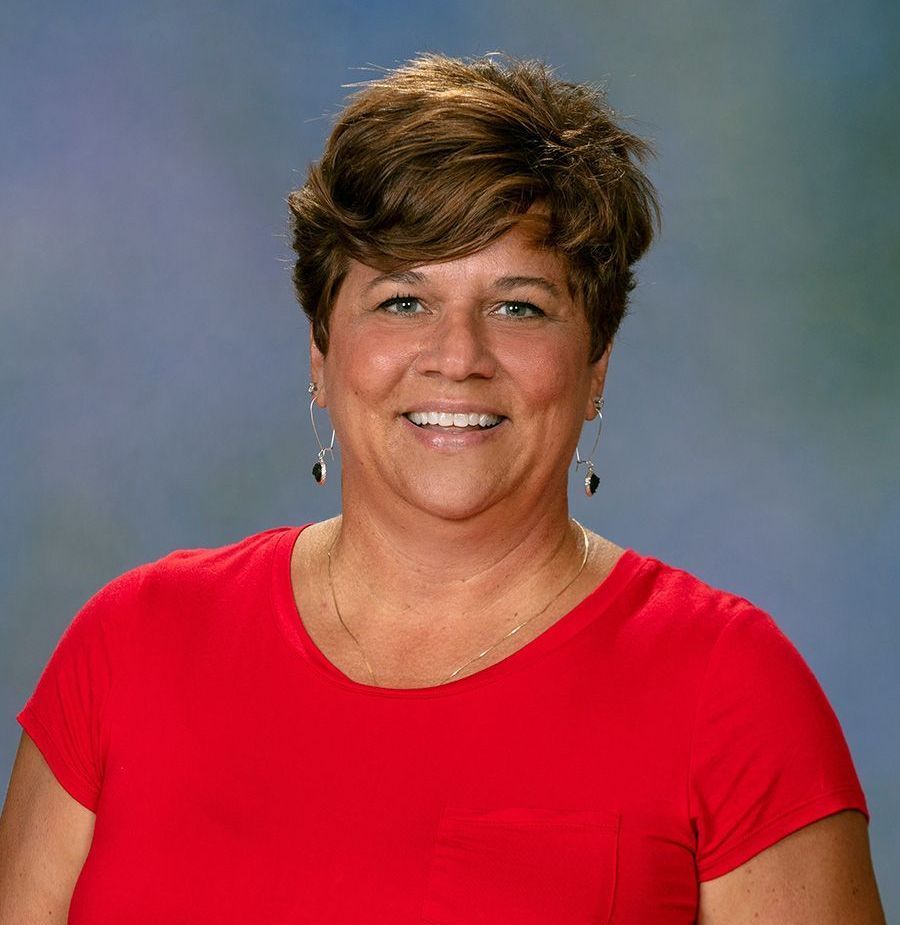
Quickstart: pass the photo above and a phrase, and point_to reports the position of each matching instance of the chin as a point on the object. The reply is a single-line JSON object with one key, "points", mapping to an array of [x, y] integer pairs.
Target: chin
{"points": [[451, 499]]}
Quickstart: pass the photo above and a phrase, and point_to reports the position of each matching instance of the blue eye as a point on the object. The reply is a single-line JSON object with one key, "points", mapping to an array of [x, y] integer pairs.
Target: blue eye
{"points": [[520, 310], [402, 305]]}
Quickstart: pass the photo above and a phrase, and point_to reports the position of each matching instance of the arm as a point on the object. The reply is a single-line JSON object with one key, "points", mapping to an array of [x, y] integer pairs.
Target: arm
{"points": [[45, 836], [819, 875]]}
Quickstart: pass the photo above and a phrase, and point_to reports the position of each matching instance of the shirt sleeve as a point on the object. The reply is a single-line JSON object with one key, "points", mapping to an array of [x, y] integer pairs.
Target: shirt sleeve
{"points": [[768, 754], [66, 713]]}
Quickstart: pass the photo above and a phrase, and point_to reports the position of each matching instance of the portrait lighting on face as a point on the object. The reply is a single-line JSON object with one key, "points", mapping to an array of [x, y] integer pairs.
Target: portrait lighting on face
{"points": [[409, 377]]}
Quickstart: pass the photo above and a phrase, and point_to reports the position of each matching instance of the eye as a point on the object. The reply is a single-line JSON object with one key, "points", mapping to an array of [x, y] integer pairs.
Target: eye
{"points": [[519, 310], [402, 305]]}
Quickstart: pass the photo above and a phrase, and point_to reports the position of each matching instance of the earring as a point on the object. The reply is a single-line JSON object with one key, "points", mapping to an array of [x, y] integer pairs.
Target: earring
{"points": [[319, 469], [591, 480]]}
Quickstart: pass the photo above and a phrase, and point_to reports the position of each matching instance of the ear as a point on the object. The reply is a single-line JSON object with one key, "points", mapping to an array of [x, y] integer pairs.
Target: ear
{"points": [[317, 369], [598, 380]]}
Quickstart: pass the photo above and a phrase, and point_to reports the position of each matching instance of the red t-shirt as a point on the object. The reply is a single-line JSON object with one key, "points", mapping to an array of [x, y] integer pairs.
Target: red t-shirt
{"points": [[661, 733]]}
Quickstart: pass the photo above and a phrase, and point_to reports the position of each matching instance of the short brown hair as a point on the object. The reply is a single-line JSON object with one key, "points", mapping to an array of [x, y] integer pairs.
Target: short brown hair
{"points": [[440, 157]]}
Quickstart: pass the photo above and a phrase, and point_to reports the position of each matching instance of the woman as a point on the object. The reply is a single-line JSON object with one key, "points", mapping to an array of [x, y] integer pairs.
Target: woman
{"points": [[452, 703]]}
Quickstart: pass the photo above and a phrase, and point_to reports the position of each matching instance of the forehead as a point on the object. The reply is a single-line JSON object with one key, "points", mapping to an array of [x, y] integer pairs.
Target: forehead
{"points": [[515, 258]]}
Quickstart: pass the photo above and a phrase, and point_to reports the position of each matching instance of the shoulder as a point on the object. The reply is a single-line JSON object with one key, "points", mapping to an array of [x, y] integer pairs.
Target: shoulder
{"points": [[683, 611], [182, 580], [210, 565], [741, 664]]}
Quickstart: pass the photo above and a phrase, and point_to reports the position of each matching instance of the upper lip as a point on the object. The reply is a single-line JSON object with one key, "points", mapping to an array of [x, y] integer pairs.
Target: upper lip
{"points": [[453, 407]]}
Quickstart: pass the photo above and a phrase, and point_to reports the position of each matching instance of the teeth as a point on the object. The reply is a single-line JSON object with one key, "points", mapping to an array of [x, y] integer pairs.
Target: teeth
{"points": [[446, 419]]}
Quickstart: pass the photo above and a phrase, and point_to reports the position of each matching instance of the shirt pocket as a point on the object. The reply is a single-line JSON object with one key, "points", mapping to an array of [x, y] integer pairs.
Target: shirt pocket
{"points": [[522, 866]]}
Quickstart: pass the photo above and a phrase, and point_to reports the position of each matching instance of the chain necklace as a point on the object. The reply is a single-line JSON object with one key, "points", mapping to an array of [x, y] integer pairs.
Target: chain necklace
{"points": [[587, 546]]}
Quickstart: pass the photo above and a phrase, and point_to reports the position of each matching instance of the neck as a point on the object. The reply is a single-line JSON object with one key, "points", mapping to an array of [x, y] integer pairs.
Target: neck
{"points": [[399, 568]]}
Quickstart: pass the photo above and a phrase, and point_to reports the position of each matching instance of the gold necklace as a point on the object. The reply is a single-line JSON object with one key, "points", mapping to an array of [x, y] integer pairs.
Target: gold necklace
{"points": [[337, 610]]}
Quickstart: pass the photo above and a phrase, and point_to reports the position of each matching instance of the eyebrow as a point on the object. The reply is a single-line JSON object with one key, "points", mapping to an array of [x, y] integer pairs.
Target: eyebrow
{"points": [[512, 282], [398, 276], [504, 282]]}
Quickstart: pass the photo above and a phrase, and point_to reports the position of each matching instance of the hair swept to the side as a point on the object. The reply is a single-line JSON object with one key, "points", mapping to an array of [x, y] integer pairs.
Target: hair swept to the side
{"points": [[438, 158]]}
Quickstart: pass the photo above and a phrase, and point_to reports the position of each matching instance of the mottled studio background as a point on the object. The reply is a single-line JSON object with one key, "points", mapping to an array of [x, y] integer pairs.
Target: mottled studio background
{"points": [[153, 362]]}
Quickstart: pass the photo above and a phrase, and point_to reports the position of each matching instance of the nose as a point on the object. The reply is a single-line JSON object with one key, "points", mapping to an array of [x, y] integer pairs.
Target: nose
{"points": [[456, 347]]}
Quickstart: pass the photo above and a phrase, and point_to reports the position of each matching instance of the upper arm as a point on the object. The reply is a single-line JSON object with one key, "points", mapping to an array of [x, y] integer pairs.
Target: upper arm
{"points": [[819, 875], [45, 836]]}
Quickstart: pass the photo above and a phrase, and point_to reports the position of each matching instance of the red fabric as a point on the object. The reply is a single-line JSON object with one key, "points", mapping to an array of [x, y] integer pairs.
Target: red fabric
{"points": [[661, 733]]}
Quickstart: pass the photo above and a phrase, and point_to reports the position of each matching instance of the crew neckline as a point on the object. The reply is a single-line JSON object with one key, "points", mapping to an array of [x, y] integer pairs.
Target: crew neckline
{"points": [[589, 609]]}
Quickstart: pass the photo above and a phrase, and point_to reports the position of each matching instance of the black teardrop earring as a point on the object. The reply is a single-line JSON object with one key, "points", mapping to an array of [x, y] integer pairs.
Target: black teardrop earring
{"points": [[319, 469], [591, 480]]}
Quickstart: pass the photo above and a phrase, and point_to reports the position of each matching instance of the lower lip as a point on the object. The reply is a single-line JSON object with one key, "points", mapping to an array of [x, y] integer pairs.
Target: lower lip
{"points": [[451, 438]]}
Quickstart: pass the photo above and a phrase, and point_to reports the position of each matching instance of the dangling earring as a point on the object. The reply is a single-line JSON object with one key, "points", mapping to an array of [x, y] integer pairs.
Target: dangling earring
{"points": [[319, 470], [591, 480]]}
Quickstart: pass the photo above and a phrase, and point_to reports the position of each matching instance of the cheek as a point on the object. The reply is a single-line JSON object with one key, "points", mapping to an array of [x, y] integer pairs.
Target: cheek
{"points": [[368, 365], [549, 378]]}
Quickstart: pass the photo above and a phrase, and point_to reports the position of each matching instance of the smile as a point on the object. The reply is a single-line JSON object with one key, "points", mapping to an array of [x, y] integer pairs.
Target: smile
{"points": [[455, 419]]}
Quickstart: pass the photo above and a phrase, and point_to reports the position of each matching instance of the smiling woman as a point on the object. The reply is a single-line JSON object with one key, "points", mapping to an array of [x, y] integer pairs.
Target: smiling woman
{"points": [[452, 704], [492, 334]]}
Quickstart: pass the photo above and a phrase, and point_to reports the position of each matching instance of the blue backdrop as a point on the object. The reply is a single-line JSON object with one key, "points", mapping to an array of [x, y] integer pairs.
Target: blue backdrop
{"points": [[153, 362]]}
